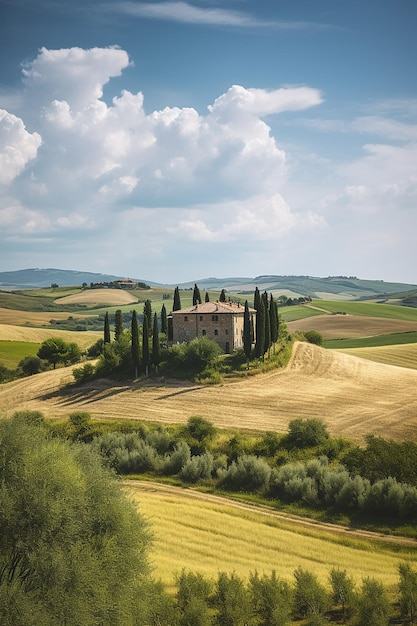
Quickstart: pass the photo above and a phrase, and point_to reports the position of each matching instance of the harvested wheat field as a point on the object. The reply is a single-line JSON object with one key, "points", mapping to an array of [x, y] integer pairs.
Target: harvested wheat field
{"points": [[350, 326], [354, 397], [35, 318], [111, 297], [404, 355], [36, 335]]}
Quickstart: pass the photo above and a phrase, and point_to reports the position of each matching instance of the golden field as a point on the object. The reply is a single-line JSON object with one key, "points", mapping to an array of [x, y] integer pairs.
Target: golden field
{"points": [[110, 297], [207, 533], [353, 396]]}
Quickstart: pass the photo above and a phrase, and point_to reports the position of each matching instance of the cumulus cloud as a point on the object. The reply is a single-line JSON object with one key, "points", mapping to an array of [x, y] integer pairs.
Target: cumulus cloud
{"points": [[17, 146]]}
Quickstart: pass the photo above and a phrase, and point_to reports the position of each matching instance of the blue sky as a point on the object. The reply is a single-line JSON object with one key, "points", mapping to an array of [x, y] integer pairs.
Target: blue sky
{"points": [[173, 141]]}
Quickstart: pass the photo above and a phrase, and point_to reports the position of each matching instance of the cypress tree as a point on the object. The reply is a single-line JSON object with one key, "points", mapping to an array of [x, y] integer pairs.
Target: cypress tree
{"points": [[135, 343], [207, 297], [106, 328], [164, 322], [145, 345], [118, 324], [147, 312], [156, 353], [222, 297], [177, 300], [273, 318], [196, 295], [260, 325], [247, 334], [267, 339]]}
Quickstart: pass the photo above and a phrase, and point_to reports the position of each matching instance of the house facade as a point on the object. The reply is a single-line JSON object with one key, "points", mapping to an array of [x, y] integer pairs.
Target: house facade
{"points": [[220, 321]]}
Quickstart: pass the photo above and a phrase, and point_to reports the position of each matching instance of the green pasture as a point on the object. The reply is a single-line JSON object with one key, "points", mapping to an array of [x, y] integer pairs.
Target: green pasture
{"points": [[372, 342], [53, 292], [12, 352], [369, 309], [297, 312]]}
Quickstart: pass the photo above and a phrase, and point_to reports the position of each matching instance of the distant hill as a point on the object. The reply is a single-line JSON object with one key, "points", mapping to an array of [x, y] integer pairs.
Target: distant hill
{"points": [[33, 277], [329, 288]]}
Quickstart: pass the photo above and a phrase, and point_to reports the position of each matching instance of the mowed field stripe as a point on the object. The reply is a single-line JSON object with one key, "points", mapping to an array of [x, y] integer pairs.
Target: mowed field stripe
{"points": [[354, 397]]}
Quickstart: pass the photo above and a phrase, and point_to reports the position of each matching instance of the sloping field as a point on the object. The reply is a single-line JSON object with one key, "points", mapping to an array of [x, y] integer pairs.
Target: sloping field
{"points": [[207, 533], [343, 326], [404, 355], [112, 297], [36, 318], [354, 397], [37, 335]]}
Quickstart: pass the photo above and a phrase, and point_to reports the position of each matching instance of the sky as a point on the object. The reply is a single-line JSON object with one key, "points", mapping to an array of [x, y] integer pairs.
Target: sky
{"points": [[176, 140]]}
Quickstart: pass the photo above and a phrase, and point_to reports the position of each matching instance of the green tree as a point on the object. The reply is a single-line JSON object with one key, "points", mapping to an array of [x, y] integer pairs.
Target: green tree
{"points": [[134, 337], [56, 350], [156, 350], [310, 597], [177, 300], [273, 319], [118, 324], [106, 337], [30, 365], [343, 591], [267, 339], [198, 433], [247, 334], [207, 297], [222, 297], [372, 604], [145, 345], [196, 295], [407, 589], [232, 601], [147, 312], [260, 325], [271, 599], [73, 549], [164, 321], [193, 591]]}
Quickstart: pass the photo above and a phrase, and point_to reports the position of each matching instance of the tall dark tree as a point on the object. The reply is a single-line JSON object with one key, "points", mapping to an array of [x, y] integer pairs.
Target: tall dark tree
{"points": [[196, 295], [118, 324], [177, 300], [164, 321], [247, 334], [156, 352], [207, 297], [222, 297], [135, 344], [106, 337], [260, 324], [145, 345], [147, 312], [267, 339], [273, 318]]}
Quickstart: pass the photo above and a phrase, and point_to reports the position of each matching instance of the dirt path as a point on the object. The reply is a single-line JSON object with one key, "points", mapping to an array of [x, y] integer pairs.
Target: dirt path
{"points": [[302, 524]]}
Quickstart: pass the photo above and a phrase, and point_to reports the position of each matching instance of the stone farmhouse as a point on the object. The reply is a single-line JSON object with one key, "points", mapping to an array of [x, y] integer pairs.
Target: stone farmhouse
{"points": [[220, 321]]}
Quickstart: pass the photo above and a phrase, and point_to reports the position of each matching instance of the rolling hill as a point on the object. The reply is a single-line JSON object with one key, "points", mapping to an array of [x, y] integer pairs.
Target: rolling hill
{"points": [[354, 397]]}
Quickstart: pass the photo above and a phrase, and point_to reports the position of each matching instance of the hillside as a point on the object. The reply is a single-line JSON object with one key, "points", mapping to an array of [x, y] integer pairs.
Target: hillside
{"points": [[355, 397]]}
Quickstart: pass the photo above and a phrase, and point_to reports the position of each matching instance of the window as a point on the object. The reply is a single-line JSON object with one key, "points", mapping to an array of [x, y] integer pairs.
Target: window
{"points": [[187, 333], [185, 318], [201, 318], [203, 332], [226, 331], [214, 318], [216, 332]]}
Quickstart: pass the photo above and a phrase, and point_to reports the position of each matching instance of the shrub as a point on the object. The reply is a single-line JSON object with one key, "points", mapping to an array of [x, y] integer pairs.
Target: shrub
{"points": [[84, 373], [313, 336], [30, 365], [197, 468], [305, 433], [175, 461], [249, 472]]}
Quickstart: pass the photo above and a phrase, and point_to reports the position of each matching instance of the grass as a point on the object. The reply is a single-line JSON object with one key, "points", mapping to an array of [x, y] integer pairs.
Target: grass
{"points": [[372, 342], [211, 536], [298, 312], [368, 309], [12, 352]]}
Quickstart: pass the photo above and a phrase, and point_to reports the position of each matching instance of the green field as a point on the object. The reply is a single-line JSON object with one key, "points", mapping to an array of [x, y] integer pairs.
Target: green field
{"points": [[368, 309], [12, 352], [372, 342], [297, 312]]}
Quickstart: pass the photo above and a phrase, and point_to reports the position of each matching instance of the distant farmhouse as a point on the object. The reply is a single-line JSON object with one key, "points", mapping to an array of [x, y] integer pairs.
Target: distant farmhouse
{"points": [[220, 321], [123, 283]]}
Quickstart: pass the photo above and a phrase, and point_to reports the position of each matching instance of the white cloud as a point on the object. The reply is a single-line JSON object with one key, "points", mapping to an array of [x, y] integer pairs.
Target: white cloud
{"points": [[17, 146]]}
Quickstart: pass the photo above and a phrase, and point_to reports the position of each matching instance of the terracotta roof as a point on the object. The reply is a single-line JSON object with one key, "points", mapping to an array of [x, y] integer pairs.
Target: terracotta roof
{"points": [[214, 307]]}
